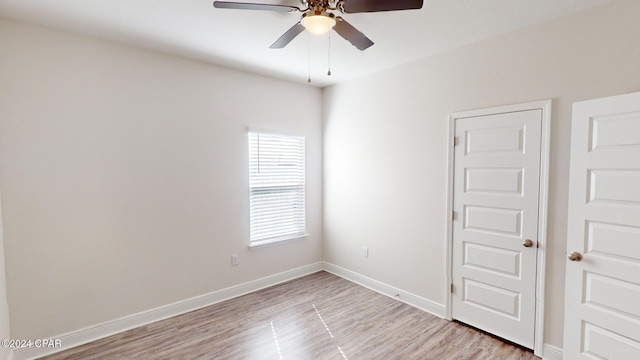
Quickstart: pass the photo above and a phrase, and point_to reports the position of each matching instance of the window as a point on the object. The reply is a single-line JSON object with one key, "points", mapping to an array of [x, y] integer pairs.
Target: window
{"points": [[276, 187]]}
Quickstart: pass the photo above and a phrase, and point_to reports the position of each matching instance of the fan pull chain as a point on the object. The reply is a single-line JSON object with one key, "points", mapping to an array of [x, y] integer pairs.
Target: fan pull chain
{"points": [[329, 56], [308, 59]]}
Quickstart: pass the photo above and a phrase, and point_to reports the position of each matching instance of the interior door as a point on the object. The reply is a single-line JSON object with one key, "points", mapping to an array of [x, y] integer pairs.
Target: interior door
{"points": [[602, 299], [495, 226]]}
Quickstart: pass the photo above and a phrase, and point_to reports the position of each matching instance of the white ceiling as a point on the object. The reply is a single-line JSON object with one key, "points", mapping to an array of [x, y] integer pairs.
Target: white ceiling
{"points": [[241, 38]]}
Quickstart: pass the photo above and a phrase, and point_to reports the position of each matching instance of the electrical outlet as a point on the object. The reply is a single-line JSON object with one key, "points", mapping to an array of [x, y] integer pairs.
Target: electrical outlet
{"points": [[365, 251], [234, 259]]}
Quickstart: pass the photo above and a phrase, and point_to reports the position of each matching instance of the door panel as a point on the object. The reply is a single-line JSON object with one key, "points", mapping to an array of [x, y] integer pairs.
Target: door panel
{"points": [[492, 298], [614, 185], [495, 220], [503, 181], [490, 258], [604, 344], [496, 193], [511, 139], [602, 299]]}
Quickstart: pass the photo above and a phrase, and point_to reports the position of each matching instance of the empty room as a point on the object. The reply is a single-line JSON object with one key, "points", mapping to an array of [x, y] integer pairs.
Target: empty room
{"points": [[342, 179]]}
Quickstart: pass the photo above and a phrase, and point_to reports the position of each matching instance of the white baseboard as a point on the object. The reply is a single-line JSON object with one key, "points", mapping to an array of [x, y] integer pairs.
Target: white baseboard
{"points": [[95, 332], [550, 352], [388, 290]]}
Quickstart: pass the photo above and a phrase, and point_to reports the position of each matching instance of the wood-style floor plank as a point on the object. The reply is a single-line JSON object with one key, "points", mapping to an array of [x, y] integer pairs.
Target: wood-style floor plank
{"points": [[318, 317]]}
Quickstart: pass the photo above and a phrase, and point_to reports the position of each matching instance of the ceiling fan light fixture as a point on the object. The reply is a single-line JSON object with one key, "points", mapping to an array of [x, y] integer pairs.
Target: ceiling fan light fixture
{"points": [[318, 22]]}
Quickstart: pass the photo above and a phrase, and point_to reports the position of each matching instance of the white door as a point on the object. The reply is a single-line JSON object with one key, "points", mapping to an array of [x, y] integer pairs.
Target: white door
{"points": [[495, 226], [602, 299]]}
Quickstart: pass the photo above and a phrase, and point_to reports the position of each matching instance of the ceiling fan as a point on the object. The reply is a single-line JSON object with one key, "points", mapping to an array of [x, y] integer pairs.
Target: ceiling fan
{"points": [[317, 18]]}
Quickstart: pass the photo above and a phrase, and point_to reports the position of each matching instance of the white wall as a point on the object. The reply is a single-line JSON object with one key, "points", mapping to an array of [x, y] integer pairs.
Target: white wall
{"points": [[124, 177], [385, 142], [4, 306]]}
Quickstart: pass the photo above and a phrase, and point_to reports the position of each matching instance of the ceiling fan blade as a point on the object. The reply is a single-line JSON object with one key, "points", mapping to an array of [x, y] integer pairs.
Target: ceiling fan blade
{"points": [[251, 6], [351, 34], [286, 38], [359, 6]]}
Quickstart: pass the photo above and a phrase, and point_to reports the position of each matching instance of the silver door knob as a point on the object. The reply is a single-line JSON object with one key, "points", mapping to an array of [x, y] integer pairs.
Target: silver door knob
{"points": [[575, 256], [527, 243]]}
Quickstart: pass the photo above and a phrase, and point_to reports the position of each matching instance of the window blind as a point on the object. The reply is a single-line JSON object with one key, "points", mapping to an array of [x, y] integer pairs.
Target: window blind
{"points": [[277, 187]]}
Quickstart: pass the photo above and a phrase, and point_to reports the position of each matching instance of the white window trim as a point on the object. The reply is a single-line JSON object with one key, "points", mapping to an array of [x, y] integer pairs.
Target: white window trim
{"points": [[276, 241]]}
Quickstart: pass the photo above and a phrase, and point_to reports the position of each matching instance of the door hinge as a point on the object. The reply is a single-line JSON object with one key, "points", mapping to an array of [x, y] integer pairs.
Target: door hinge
{"points": [[452, 288], [456, 141], [453, 215]]}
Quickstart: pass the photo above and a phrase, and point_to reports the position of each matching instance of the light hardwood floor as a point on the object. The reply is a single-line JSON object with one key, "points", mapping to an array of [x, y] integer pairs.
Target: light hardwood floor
{"points": [[320, 316]]}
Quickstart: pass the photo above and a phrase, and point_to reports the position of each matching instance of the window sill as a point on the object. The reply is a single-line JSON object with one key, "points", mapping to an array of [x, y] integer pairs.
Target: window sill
{"points": [[277, 241]]}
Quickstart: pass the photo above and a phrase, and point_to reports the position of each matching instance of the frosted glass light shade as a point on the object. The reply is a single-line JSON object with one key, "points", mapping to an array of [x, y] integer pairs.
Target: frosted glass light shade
{"points": [[318, 24]]}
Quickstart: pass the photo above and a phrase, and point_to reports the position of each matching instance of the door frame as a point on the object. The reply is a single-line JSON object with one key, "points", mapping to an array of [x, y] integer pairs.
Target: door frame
{"points": [[545, 106]]}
